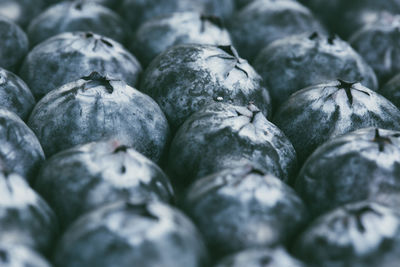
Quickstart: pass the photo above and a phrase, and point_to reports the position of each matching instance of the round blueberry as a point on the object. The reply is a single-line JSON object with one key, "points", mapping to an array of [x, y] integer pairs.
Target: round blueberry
{"points": [[298, 61], [15, 94], [221, 136], [68, 56], [94, 174], [20, 150], [318, 113], [242, 208], [351, 167], [95, 108], [186, 78], [127, 233], [358, 234], [156, 35], [25, 218], [13, 46], [77, 16], [264, 21]]}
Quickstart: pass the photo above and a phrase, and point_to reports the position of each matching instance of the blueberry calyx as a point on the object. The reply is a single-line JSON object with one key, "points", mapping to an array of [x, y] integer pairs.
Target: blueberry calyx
{"points": [[212, 19], [380, 140], [313, 36], [359, 213], [122, 148], [331, 39], [347, 88], [96, 79], [142, 210], [230, 50]]}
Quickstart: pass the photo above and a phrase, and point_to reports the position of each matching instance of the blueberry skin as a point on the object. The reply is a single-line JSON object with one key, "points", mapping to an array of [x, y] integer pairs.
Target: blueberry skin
{"points": [[318, 113], [186, 78], [20, 150], [21, 12], [377, 43], [346, 17], [136, 12], [260, 257], [221, 136], [95, 174], [157, 35], [352, 167], [391, 90], [14, 44], [241, 208], [15, 95], [25, 218], [357, 234], [130, 233], [77, 16], [298, 61], [264, 21], [222, 8], [95, 108], [68, 56], [20, 256]]}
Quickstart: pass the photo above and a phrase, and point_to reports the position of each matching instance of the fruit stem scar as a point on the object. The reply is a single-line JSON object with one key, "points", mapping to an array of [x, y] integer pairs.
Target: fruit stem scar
{"points": [[347, 87], [380, 140]]}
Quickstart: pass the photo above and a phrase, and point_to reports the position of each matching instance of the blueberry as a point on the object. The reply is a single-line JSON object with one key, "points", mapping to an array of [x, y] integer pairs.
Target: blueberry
{"points": [[25, 218], [293, 63], [129, 233], [98, 173], [357, 234], [264, 21], [186, 78], [221, 136], [68, 56], [352, 167], [15, 94], [20, 150], [95, 108], [21, 11], [14, 44], [20, 256], [77, 16], [243, 207], [137, 12], [345, 17], [315, 114], [260, 257], [156, 35], [377, 43]]}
